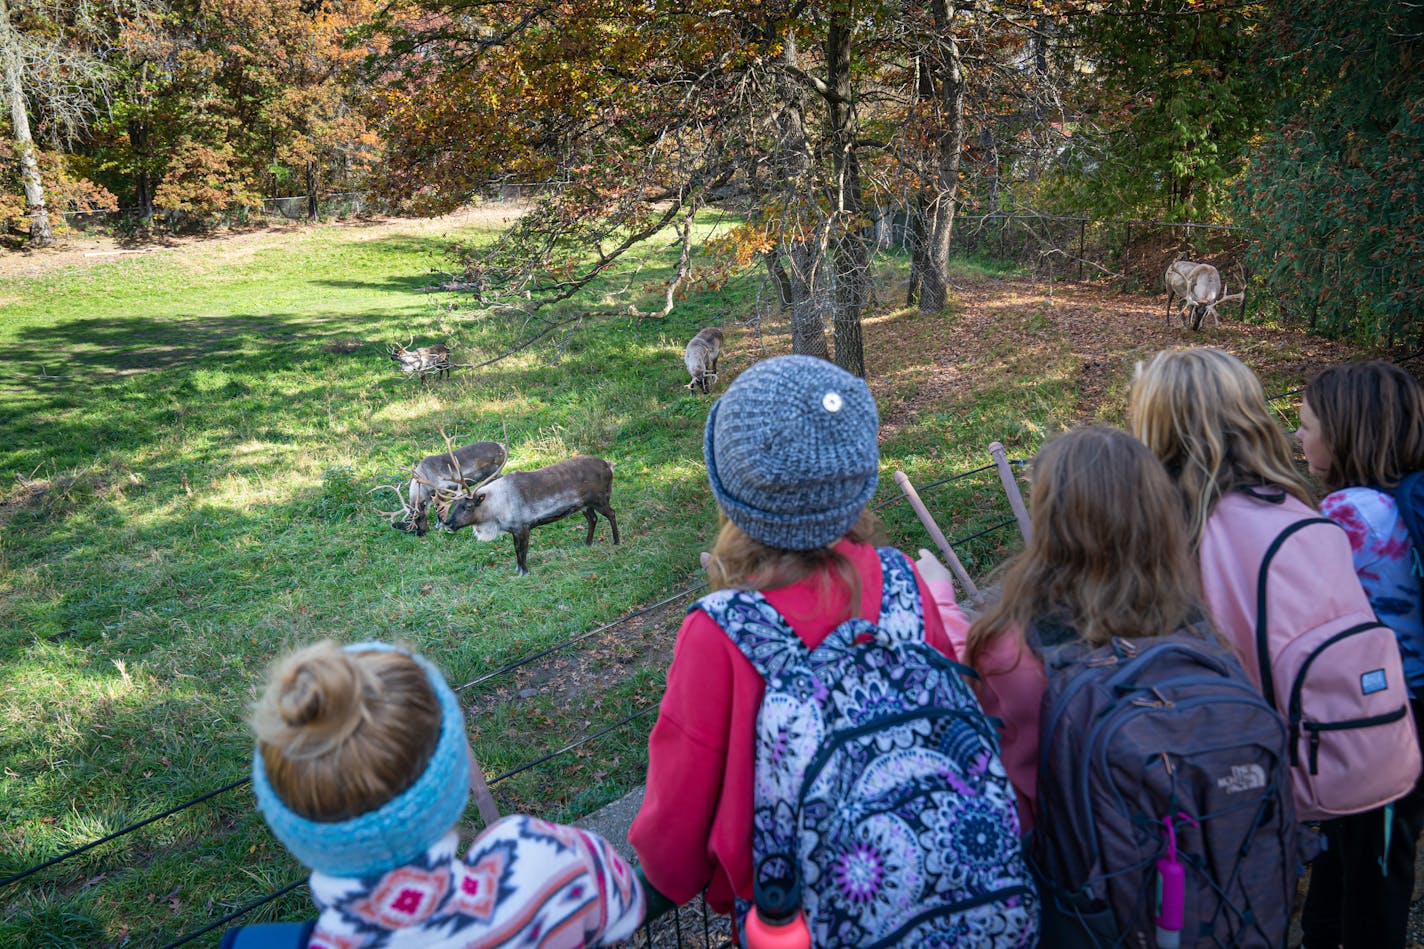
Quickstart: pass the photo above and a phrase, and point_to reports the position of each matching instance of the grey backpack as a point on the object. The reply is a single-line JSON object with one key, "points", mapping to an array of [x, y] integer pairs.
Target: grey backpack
{"points": [[1165, 814]]}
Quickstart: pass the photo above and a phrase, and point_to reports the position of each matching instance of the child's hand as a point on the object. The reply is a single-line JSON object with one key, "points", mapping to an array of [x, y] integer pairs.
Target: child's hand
{"points": [[706, 559], [931, 569]]}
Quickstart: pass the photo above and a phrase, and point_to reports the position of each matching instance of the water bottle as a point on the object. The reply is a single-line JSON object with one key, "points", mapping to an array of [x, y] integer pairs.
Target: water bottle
{"points": [[777, 921], [780, 932], [1171, 894]]}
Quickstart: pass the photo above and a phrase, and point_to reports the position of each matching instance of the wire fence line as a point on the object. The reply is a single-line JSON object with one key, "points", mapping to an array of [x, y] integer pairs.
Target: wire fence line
{"points": [[516, 664], [332, 204], [496, 673], [572, 746]]}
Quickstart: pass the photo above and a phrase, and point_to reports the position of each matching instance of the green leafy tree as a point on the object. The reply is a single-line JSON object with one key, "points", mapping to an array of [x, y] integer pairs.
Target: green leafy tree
{"points": [[1337, 193], [1168, 99]]}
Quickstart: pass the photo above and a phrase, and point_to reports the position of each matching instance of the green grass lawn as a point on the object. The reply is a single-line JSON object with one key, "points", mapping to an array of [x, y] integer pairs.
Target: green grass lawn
{"points": [[189, 443]]}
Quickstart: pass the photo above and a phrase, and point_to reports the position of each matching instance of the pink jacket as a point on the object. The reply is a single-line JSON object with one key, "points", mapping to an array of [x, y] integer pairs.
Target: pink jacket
{"points": [[1010, 689]]}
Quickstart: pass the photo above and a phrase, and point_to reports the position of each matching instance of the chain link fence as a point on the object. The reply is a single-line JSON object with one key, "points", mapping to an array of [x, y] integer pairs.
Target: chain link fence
{"points": [[322, 207]]}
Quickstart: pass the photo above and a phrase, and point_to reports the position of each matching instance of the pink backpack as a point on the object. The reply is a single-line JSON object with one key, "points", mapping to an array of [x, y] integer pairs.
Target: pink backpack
{"points": [[1281, 586]]}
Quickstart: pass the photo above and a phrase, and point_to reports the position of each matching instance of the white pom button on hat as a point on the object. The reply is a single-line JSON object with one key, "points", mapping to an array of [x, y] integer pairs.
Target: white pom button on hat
{"points": [[831, 402]]}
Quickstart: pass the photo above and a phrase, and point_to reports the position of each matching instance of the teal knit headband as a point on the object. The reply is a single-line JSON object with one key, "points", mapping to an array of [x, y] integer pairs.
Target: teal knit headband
{"points": [[398, 831]]}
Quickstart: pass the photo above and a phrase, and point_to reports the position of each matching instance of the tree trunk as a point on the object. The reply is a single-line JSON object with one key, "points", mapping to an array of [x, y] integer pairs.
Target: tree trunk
{"points": [[937, 205], [311, 191], [849, 253], [41, 234], [806, 255], [808, 327], [143, 179], [779, 277]]}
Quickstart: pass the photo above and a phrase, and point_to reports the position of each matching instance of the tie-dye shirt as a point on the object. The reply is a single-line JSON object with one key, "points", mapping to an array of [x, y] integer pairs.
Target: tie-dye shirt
{"points": [[524, 882], [1385, 562]]}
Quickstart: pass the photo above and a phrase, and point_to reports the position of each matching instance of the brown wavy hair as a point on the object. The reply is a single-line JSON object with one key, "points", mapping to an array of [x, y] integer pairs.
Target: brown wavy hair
{"points": [[740, 561], [1204, 414], [1108, 553], [1372, 422], [341, 733]]}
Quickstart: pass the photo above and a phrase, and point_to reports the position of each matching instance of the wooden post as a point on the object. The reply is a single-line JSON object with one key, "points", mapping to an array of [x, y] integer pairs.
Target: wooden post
{"points": [[936, 534], [1082, 235], [1011, 488], [1126, 254], [479, 790]]}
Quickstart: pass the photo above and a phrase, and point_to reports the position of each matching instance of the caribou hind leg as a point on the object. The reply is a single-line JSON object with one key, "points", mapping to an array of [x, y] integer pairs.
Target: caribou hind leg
{"points": [[607, 511]]}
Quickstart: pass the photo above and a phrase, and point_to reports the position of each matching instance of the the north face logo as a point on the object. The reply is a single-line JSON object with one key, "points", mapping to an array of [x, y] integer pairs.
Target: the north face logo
{"points": [[1243, 777]]}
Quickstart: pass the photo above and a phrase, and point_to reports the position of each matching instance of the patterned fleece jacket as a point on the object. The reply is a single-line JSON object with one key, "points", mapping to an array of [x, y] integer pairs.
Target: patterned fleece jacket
{"points": [[524, 882], [1385, 562]]}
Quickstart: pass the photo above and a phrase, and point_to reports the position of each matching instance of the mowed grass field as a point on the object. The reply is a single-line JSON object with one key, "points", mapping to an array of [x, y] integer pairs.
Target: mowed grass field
{"points": [[189, 442]]}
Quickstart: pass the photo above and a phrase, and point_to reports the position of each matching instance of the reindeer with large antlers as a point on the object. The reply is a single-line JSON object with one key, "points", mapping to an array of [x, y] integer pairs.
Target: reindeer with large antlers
{"points": [[426, 360], [1200, 290], [440, 480]]}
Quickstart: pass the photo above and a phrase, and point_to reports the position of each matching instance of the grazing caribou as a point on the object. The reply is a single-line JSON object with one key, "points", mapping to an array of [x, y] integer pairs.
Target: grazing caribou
{"points": [[439, 479], [522, 500], [1199, 289], [701, 358]]}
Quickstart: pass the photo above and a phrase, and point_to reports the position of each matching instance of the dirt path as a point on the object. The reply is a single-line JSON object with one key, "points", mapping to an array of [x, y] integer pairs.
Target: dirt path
{"points": [[86, 250]]}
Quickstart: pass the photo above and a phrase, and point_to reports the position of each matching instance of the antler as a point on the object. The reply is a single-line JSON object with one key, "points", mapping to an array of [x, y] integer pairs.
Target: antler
{"points": [[405, 511], [454, 460]]}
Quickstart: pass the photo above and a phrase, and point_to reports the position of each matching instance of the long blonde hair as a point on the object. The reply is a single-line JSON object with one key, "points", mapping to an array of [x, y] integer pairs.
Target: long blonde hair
{"points": [[1204, 414], [739, 560], [1108, 555], [1372, 421], [341, 733]]}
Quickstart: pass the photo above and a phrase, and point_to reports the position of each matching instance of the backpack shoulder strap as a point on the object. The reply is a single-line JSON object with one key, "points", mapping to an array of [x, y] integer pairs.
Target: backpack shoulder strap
{"points": [[757, 630], [902, 613], [1263, 651], [269, 936]]}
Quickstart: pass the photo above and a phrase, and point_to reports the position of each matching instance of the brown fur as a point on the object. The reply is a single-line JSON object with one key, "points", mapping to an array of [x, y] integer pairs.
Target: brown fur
{"points": [[522, 500], [701, 356], [471, 465], [425, 361]]}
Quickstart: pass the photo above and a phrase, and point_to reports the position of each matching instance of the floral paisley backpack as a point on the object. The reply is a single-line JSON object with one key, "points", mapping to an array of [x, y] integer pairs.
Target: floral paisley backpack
{"points": [[881, 803]]}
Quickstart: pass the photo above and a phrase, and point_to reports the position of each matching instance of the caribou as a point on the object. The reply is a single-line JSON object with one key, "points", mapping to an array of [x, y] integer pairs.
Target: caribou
{"points": [[1199, 290], [701, 356], [441, 479], [522, 500], [425, 361]]}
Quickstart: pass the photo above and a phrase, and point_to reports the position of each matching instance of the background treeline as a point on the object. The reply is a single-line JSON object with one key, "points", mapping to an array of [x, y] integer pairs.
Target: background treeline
{"points": [[822, 124]]}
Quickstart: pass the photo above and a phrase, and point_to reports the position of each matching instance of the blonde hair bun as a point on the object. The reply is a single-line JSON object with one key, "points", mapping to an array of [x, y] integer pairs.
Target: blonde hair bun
{"points": [[316, 700]]}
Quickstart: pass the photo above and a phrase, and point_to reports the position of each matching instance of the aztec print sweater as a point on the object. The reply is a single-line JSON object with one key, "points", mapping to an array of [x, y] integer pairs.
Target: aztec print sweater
{"points": [[524, 882]]}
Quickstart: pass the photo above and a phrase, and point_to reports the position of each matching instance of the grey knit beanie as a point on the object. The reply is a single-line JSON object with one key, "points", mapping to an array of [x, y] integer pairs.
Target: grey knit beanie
{"points": [[791, 451]]}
